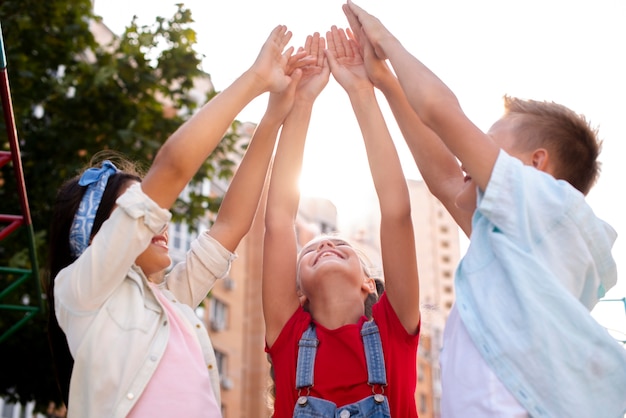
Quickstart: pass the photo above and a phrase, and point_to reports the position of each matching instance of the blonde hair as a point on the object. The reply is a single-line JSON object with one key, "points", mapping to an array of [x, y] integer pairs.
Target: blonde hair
{"points": [[564, 133]]}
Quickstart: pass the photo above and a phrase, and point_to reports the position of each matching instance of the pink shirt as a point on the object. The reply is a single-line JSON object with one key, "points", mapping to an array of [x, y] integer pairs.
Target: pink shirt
{"points": [[180, 385]]}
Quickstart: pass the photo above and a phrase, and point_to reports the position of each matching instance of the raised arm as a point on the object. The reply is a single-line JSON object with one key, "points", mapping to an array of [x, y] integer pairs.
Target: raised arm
{"points": [[280, 250], [241, 200], [396, 228], [438, 166], [433, 101], [183, 153]]}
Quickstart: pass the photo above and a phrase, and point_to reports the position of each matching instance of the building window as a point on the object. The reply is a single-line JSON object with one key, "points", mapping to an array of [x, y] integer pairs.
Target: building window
{"points": [[228, 283], [222, 366], [218, 314], [220, 358]]}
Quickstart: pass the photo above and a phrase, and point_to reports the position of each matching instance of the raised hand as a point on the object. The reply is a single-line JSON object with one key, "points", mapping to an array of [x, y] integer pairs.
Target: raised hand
{"points": [[377, 69], [315, 75], [271, 66], [373, 29], [345, 61]]}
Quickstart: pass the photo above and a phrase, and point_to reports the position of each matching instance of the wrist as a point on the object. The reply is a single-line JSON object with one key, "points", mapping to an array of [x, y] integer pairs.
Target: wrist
{"points": [[362, 91], [271, 120], [387, 85], [304, 101], [257, 83]]}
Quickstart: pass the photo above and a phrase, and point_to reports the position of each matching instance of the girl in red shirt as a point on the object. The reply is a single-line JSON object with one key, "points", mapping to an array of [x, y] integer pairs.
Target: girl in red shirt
{"points": [[314, 301]]}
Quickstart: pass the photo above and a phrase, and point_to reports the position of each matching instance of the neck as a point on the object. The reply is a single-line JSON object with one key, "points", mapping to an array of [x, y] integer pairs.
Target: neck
{"points": [[337, 312]]}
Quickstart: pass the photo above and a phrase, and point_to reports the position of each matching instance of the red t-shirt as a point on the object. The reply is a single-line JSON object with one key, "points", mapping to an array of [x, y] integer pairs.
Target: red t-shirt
{"points": [[340, 373]]}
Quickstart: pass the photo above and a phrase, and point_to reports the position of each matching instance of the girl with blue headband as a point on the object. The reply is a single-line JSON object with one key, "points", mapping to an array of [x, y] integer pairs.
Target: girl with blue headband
{"points": [[130, 332]]}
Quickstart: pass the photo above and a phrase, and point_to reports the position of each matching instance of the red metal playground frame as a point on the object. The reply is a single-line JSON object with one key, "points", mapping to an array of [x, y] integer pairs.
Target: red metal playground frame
{"points": [[11, 223]]}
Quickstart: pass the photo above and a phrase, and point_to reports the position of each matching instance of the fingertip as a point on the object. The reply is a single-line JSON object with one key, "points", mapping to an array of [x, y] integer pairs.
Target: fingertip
{"points": [[296, 75]]}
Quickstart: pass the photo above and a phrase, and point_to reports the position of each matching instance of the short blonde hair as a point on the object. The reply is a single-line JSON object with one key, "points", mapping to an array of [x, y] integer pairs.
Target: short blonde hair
{"points": [[564, 133]]}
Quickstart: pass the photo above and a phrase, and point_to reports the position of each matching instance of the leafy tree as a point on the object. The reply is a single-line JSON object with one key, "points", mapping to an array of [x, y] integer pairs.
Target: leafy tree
{"points": [[73, 97]]}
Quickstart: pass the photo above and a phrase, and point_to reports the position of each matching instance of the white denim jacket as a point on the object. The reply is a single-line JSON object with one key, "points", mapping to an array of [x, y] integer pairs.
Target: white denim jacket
{"points": [[116, 328]]}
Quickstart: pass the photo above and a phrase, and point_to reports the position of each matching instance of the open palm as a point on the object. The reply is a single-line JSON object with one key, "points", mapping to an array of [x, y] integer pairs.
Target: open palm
{"points": [[314, 76], [346, 61]]}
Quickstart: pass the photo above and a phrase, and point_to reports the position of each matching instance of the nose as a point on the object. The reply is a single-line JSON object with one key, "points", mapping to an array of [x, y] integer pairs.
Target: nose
{"points": [[325, 243]]}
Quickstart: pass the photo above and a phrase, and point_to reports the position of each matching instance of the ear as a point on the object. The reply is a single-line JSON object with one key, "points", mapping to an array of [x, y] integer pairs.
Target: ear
{"points": [[369, 285], [540, 159], [301, 298]]}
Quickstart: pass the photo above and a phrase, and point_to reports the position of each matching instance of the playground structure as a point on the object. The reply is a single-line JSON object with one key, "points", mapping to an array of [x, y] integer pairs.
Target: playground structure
{"points": [[18, 279]]}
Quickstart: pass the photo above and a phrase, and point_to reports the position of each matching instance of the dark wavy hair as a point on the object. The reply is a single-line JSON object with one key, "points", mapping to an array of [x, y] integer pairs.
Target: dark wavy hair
{"points": [[60, 256]]}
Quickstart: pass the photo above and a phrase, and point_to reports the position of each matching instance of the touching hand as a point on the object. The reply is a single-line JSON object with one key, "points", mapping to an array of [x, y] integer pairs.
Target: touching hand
{"points": [[345, 61], [377, 69], [373, 29], [270, 67], [315, 75], [280, 103]]}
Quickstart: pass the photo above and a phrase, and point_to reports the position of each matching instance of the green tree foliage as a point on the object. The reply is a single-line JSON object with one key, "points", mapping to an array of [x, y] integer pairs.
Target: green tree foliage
{"points": [[73, 97]]}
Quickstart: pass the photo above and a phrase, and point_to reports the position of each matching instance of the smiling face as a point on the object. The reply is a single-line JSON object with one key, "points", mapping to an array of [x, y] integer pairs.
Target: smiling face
{"points": [[156, 257], [331, 264]]}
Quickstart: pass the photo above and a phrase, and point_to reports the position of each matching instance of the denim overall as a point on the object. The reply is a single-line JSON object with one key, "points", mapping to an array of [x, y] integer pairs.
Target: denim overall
{"points": [[374, 406]]}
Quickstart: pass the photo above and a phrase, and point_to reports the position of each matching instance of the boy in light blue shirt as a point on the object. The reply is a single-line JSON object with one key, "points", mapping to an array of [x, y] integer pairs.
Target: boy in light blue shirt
{"points": [[520, 340]]}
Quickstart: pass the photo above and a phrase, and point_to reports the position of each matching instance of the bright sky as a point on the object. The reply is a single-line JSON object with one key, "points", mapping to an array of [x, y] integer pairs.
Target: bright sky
{"points": [[568, 51]]}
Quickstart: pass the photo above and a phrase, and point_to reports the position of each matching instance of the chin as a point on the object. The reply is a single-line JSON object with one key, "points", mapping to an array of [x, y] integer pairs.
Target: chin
{"points": [[166, 263]]}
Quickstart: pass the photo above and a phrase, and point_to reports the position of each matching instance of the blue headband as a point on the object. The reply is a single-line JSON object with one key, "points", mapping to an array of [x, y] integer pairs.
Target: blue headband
{"points": [[96, 179]]}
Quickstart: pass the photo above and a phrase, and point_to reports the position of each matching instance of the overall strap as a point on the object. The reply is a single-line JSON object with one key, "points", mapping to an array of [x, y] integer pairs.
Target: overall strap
{"points": [[376, 374], [307, 348]]}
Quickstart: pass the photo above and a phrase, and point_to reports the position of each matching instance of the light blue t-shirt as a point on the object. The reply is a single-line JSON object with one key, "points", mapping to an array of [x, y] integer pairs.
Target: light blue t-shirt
{"points": [[538, 261]]}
